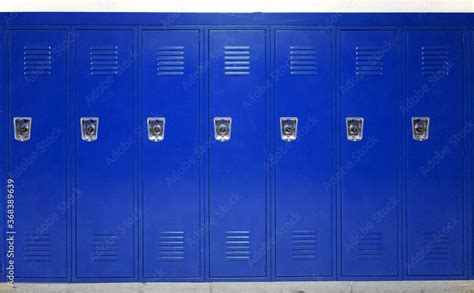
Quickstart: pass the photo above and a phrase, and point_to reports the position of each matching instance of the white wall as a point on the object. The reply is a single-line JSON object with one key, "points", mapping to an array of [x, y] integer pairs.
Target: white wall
{"points": [[240, 5]]}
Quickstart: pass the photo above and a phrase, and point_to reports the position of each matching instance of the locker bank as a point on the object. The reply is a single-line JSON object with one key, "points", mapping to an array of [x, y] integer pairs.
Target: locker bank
{"points": [[236, 147]]}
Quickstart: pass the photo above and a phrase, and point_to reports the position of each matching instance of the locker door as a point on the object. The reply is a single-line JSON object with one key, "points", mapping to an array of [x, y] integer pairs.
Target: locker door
{"points": [[171, 166], [237, 173], [38, 164], [303, 197], [434, 165], [369, 139], [104, 165]]}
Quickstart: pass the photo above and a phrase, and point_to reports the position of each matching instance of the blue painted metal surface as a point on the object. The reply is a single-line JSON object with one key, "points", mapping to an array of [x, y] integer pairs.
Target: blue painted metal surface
{"points": [[435, 167], [104, 167], [255, 207], [303, 197], [237, 218], [171, 197], [369, 198], [37, 89]]}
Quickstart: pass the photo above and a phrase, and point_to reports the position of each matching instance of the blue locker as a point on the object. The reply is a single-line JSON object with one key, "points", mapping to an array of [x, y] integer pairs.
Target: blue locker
{"points": [[37, 146], [435, 164], [303, 87], [237, 193], [104, 147], [340, 155], [369, 152], [171, 197]]}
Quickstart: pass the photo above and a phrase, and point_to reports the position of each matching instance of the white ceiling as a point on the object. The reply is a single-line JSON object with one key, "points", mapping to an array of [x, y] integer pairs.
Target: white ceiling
{"points": [[239, 5]]}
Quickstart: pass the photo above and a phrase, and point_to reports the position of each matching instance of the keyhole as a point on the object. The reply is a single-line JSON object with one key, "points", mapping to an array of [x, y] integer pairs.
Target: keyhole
{"points": [[288, 129], [222, 129], [418, 129], [157, 129], [24, 129], [353, 129], [90, 129]]}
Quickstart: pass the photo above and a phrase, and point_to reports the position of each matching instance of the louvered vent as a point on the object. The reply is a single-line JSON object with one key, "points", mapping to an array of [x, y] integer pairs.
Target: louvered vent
{"points": [[237, 245], [370, 246], [104, 246], [104, 61], [304, 245], [37, 60], [369, 61], [171, 245], [437, 246], [170, 61], [237, 60], [37, 247], [303, 60], [434, 60]]}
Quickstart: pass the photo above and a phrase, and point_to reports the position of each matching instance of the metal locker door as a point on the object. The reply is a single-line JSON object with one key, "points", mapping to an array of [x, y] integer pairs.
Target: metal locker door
{"points": [[37, 146], [237, 153], [104, 153], [171, 158], [434, 160], [303, 227], [369, 136]]}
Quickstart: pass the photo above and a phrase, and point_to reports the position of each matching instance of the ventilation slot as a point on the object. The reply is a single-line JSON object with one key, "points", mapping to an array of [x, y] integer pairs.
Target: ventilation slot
{"points": [[237, 60], [104, 246], [369, 61], [170, 61], [37, 247], [303, 60], [370, 246], [171, 245], [237, 245], [304, 245], [104, 61], [434, 60], [436, 246], [37, 60]]}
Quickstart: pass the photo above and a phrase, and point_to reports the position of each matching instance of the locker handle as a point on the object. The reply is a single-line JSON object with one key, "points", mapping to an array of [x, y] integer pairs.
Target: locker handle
{"points": [[22, 128], [420, 128], [156, 128], [288, 128], [355, 128], [222, 128], [89, 128]]}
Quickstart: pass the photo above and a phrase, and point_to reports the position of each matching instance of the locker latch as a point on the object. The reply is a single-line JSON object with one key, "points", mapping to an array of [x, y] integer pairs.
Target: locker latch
{"points": [[420, 128], [288, 128], [354, 128], [156, 128], [89, 128], [222, 128], [22, 128]]}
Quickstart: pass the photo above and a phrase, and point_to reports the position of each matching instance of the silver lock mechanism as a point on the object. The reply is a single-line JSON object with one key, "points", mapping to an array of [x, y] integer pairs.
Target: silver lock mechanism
{"points": [[89, 128], [22, 128], [156, 128], [288, 128], [222, 128], [420, 128], [354, 128]]}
